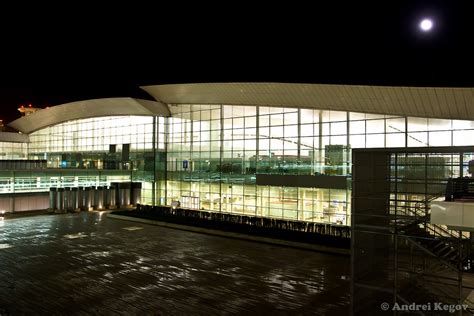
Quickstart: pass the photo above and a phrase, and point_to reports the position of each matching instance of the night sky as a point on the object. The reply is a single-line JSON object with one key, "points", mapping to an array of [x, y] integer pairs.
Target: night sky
{"points": [[75, 53]]}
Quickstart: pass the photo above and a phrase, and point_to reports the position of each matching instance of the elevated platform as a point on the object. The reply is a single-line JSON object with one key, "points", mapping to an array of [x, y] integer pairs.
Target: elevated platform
{"points": [[458, 214]]}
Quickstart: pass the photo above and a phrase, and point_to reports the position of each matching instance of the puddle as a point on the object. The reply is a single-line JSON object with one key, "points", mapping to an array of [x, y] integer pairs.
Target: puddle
{"points": [[131, 228], [75, 236]]}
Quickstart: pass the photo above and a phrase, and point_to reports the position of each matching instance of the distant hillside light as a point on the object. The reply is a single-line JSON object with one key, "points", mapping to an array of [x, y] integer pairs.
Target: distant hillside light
{"points": [[426, 25]]}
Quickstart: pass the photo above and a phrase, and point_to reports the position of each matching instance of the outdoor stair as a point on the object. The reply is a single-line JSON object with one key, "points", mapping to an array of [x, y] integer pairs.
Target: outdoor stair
{"points": [[432, 259], [442, 247]]}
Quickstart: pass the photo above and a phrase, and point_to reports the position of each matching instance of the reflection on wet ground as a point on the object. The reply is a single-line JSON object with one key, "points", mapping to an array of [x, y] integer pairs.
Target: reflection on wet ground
{"points": [[88, 264]]}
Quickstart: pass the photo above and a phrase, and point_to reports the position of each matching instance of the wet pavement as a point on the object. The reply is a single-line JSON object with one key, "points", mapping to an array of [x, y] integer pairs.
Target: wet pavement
{"points": [[85, 264]]}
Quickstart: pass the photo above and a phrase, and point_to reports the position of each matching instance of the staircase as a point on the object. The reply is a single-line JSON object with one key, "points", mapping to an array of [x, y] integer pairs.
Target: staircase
{"points": [[443, 258], [440, 243], [451, 246]]}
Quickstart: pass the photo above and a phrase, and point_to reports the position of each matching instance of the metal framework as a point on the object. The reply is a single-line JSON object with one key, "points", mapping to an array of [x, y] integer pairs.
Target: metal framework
{"points": [[398, 255]]}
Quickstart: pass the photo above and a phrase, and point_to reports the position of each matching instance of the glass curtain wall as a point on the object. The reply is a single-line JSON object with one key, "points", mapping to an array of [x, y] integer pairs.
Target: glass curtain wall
{"points": [[122, 148], [214, 153], [194, 157], [208, 156], [12, 150]]}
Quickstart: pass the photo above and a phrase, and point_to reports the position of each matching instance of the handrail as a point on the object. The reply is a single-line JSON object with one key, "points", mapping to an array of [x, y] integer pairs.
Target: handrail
{"points": [[451, 233], [429, 252], [454, 238], [421, 210], [428, 200], [435, 229]]}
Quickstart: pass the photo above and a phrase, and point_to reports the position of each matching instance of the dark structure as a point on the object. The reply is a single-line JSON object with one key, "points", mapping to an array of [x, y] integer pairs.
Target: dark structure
{"points": [[398, 255]]}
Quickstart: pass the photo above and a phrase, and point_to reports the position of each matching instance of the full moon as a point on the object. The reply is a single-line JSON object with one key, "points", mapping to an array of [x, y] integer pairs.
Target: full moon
{"points": [[426, 25]]}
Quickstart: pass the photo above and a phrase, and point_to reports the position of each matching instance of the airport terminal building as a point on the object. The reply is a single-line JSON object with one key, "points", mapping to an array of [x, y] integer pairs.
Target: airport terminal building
{"points": [[392, 167], [265, 149]]}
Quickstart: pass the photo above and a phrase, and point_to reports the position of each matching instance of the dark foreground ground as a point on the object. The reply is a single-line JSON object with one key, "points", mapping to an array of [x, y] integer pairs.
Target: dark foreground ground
{"points": [[87, 264]]}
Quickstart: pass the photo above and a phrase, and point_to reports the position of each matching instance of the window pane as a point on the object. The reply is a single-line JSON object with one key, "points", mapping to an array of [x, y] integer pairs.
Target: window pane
{"points": [[439, 125], [309, 116], [357, 141], [375, 126], [395, 140], [417, 124], [395, 125], [417, 139], [440, 138], [357, 127], [376, 140], [463, 138], [339, 128]]}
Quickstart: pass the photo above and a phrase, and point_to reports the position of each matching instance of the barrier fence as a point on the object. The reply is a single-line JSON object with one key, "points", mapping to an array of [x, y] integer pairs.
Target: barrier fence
{"points": [[317, 233]]}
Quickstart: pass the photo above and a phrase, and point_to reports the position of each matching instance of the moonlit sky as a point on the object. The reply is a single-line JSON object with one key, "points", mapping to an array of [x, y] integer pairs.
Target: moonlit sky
{"points": [[72, 54]]}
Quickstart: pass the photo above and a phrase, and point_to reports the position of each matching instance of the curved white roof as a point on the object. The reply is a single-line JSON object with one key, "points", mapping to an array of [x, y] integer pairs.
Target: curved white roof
{"points": [[447, 103], [86, 109]]}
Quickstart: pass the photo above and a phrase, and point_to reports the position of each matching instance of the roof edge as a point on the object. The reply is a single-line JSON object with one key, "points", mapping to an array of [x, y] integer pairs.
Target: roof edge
{"points": [[88, 109]]}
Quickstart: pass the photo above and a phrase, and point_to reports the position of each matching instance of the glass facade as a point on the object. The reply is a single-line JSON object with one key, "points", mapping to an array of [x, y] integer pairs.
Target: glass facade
{"points": [[92, 152], [210, 157], [89, 137], [13, 150], [216, 152]]}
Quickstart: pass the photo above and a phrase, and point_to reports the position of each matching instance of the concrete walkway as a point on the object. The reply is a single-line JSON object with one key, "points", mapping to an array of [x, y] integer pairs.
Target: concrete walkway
{"points": [[86, 264]]}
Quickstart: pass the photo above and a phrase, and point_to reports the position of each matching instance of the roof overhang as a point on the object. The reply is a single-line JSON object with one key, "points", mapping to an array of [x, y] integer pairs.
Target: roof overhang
{"points": [[446, 103], [9, 137], [87, 109]]}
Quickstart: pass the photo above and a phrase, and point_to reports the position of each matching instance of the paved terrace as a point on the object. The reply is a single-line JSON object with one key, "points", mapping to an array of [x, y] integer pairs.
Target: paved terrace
{"points": [[86, 264]]}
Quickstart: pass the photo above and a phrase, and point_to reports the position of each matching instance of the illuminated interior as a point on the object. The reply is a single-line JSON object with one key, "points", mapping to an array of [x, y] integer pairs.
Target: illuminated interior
{"points": [[209, 157]]}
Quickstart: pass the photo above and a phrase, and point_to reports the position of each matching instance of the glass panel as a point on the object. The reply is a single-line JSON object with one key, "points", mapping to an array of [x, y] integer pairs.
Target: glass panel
{"points": [[357, 141], [440, 138], [375, 126], [463, 138], [309, 116], [357, 116], [394, 125], [357, 127], [439, 125], [339, 128], [395, 140], [417, 139], [375, 140], [291, 118], [417, 124], [307, 130]]}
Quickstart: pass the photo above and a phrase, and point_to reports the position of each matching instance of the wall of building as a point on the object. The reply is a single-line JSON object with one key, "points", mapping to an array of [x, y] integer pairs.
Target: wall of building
{"points": [[215, 153], [90, 152], [13, 150], [209, 156], [21, 202]]}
